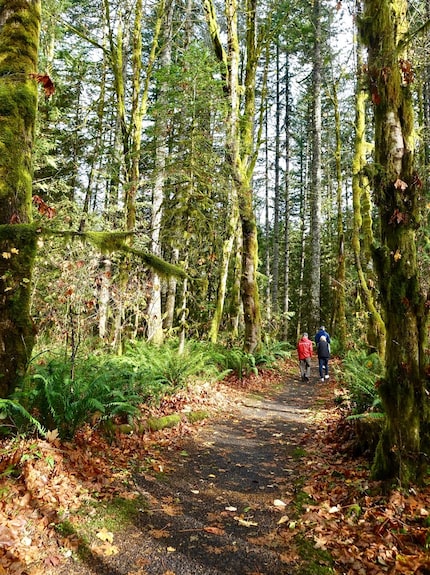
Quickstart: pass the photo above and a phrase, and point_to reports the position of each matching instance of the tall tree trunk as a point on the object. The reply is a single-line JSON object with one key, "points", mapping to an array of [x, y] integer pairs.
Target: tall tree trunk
{"points": [[267, 227], [154, 313], [104, 285], [401, 452], [19, 42], [315, 195], [236, 309], [140, 94], [231, 231], [241, 151], [362, 220], [172, 282], [276, 209], [131, 127], [340, 280], [302, 232], [286, 302]]}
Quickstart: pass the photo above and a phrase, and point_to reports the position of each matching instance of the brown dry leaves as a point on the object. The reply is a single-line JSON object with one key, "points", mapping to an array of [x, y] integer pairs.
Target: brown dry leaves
{"points": [[366, 533]]}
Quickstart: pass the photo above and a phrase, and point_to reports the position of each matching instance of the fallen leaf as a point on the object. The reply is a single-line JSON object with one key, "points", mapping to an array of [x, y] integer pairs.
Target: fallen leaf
{"points": [[159, 533], [105, 535], [214, 530], [397, 256], [400, 185], [245, 522], [106, 549], [51, 561], [320, 543]]}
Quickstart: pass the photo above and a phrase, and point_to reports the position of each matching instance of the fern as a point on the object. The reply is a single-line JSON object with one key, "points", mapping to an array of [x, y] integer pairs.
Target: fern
{"points": [[10, 409], [238, 361], [158, 371], [360, 373], [66, 404]]}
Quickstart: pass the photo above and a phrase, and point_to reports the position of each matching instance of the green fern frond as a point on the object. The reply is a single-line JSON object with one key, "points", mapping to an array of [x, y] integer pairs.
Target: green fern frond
{"points": [[11, 407]]}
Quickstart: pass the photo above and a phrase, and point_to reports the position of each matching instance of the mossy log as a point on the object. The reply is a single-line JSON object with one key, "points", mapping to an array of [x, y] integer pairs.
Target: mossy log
{"points": [[158, 423], [154, 423], [195, 416]]}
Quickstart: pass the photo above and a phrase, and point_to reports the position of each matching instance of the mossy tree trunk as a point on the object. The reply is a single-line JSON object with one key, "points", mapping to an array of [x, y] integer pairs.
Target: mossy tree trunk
{"points": [[362, 231], [155, 332], [241, 150], [402, 448], [19, 42]]}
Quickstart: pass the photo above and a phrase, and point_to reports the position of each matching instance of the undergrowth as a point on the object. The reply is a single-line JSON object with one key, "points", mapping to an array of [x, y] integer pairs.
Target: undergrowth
{"points": [[360, 373], [60, 394]]}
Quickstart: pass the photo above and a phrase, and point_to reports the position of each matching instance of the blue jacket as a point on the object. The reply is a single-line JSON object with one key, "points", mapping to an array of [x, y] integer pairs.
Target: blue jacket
{"points": [[319, 334]]}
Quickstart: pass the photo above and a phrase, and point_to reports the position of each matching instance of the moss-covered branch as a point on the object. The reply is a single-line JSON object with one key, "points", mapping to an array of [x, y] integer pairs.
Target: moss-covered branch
{"points": [[108, 242]]}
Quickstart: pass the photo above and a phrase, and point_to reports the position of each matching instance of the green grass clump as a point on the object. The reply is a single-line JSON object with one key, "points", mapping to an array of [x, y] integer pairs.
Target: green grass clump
{"points": [[314, 561]]}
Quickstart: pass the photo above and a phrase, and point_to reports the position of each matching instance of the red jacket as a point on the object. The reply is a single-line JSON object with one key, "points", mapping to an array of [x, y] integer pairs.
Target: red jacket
{"points": [[304, 348]]}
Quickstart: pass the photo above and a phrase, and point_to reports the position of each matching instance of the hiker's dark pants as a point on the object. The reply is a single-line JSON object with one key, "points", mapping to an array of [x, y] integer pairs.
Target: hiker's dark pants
{"points": [[323, 366]]}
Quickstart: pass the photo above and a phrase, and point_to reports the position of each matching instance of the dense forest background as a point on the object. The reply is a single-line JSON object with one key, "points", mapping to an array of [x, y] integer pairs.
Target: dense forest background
{"points": [[233, 173], [136, 138]]}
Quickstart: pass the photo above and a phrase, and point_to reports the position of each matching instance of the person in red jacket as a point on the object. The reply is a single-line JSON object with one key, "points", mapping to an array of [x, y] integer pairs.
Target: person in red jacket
{"points": [[304, 350]]}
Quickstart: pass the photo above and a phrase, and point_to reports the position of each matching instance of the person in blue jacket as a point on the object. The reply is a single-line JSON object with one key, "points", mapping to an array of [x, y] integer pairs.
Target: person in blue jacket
{"points": [[321, 332]]}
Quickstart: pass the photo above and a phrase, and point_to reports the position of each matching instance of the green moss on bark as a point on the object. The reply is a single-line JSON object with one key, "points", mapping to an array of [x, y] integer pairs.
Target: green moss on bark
{"points": [[19, 41]]}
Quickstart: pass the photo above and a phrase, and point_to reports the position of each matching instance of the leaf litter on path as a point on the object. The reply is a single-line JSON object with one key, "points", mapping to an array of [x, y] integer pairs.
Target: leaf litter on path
{"points": [[233, 494]]}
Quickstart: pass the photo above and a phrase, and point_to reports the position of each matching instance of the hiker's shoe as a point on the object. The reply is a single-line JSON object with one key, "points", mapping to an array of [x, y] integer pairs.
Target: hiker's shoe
{"points": [[327, 376], [322, 379], [306, 378]]}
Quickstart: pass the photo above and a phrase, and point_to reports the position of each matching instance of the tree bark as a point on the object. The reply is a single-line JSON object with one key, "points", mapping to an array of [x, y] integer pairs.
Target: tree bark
{"points": [[19, 42], [241, 151], [340, 280], [276, 205], [362, 220], [227, 249], [154, 313], [401, 452], [315, 196], [286, 300]]}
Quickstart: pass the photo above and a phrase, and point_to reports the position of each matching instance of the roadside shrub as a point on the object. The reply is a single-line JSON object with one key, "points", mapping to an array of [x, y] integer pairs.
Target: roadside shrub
{"points": [[360, 373], [161, 370], [243, 364], [272, 352], [61, 401], [65, 395], [239, 362]]}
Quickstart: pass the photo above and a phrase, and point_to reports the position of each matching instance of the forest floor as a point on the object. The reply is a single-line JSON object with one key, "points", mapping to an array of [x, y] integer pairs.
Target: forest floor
{"points": [[267, 485]]}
